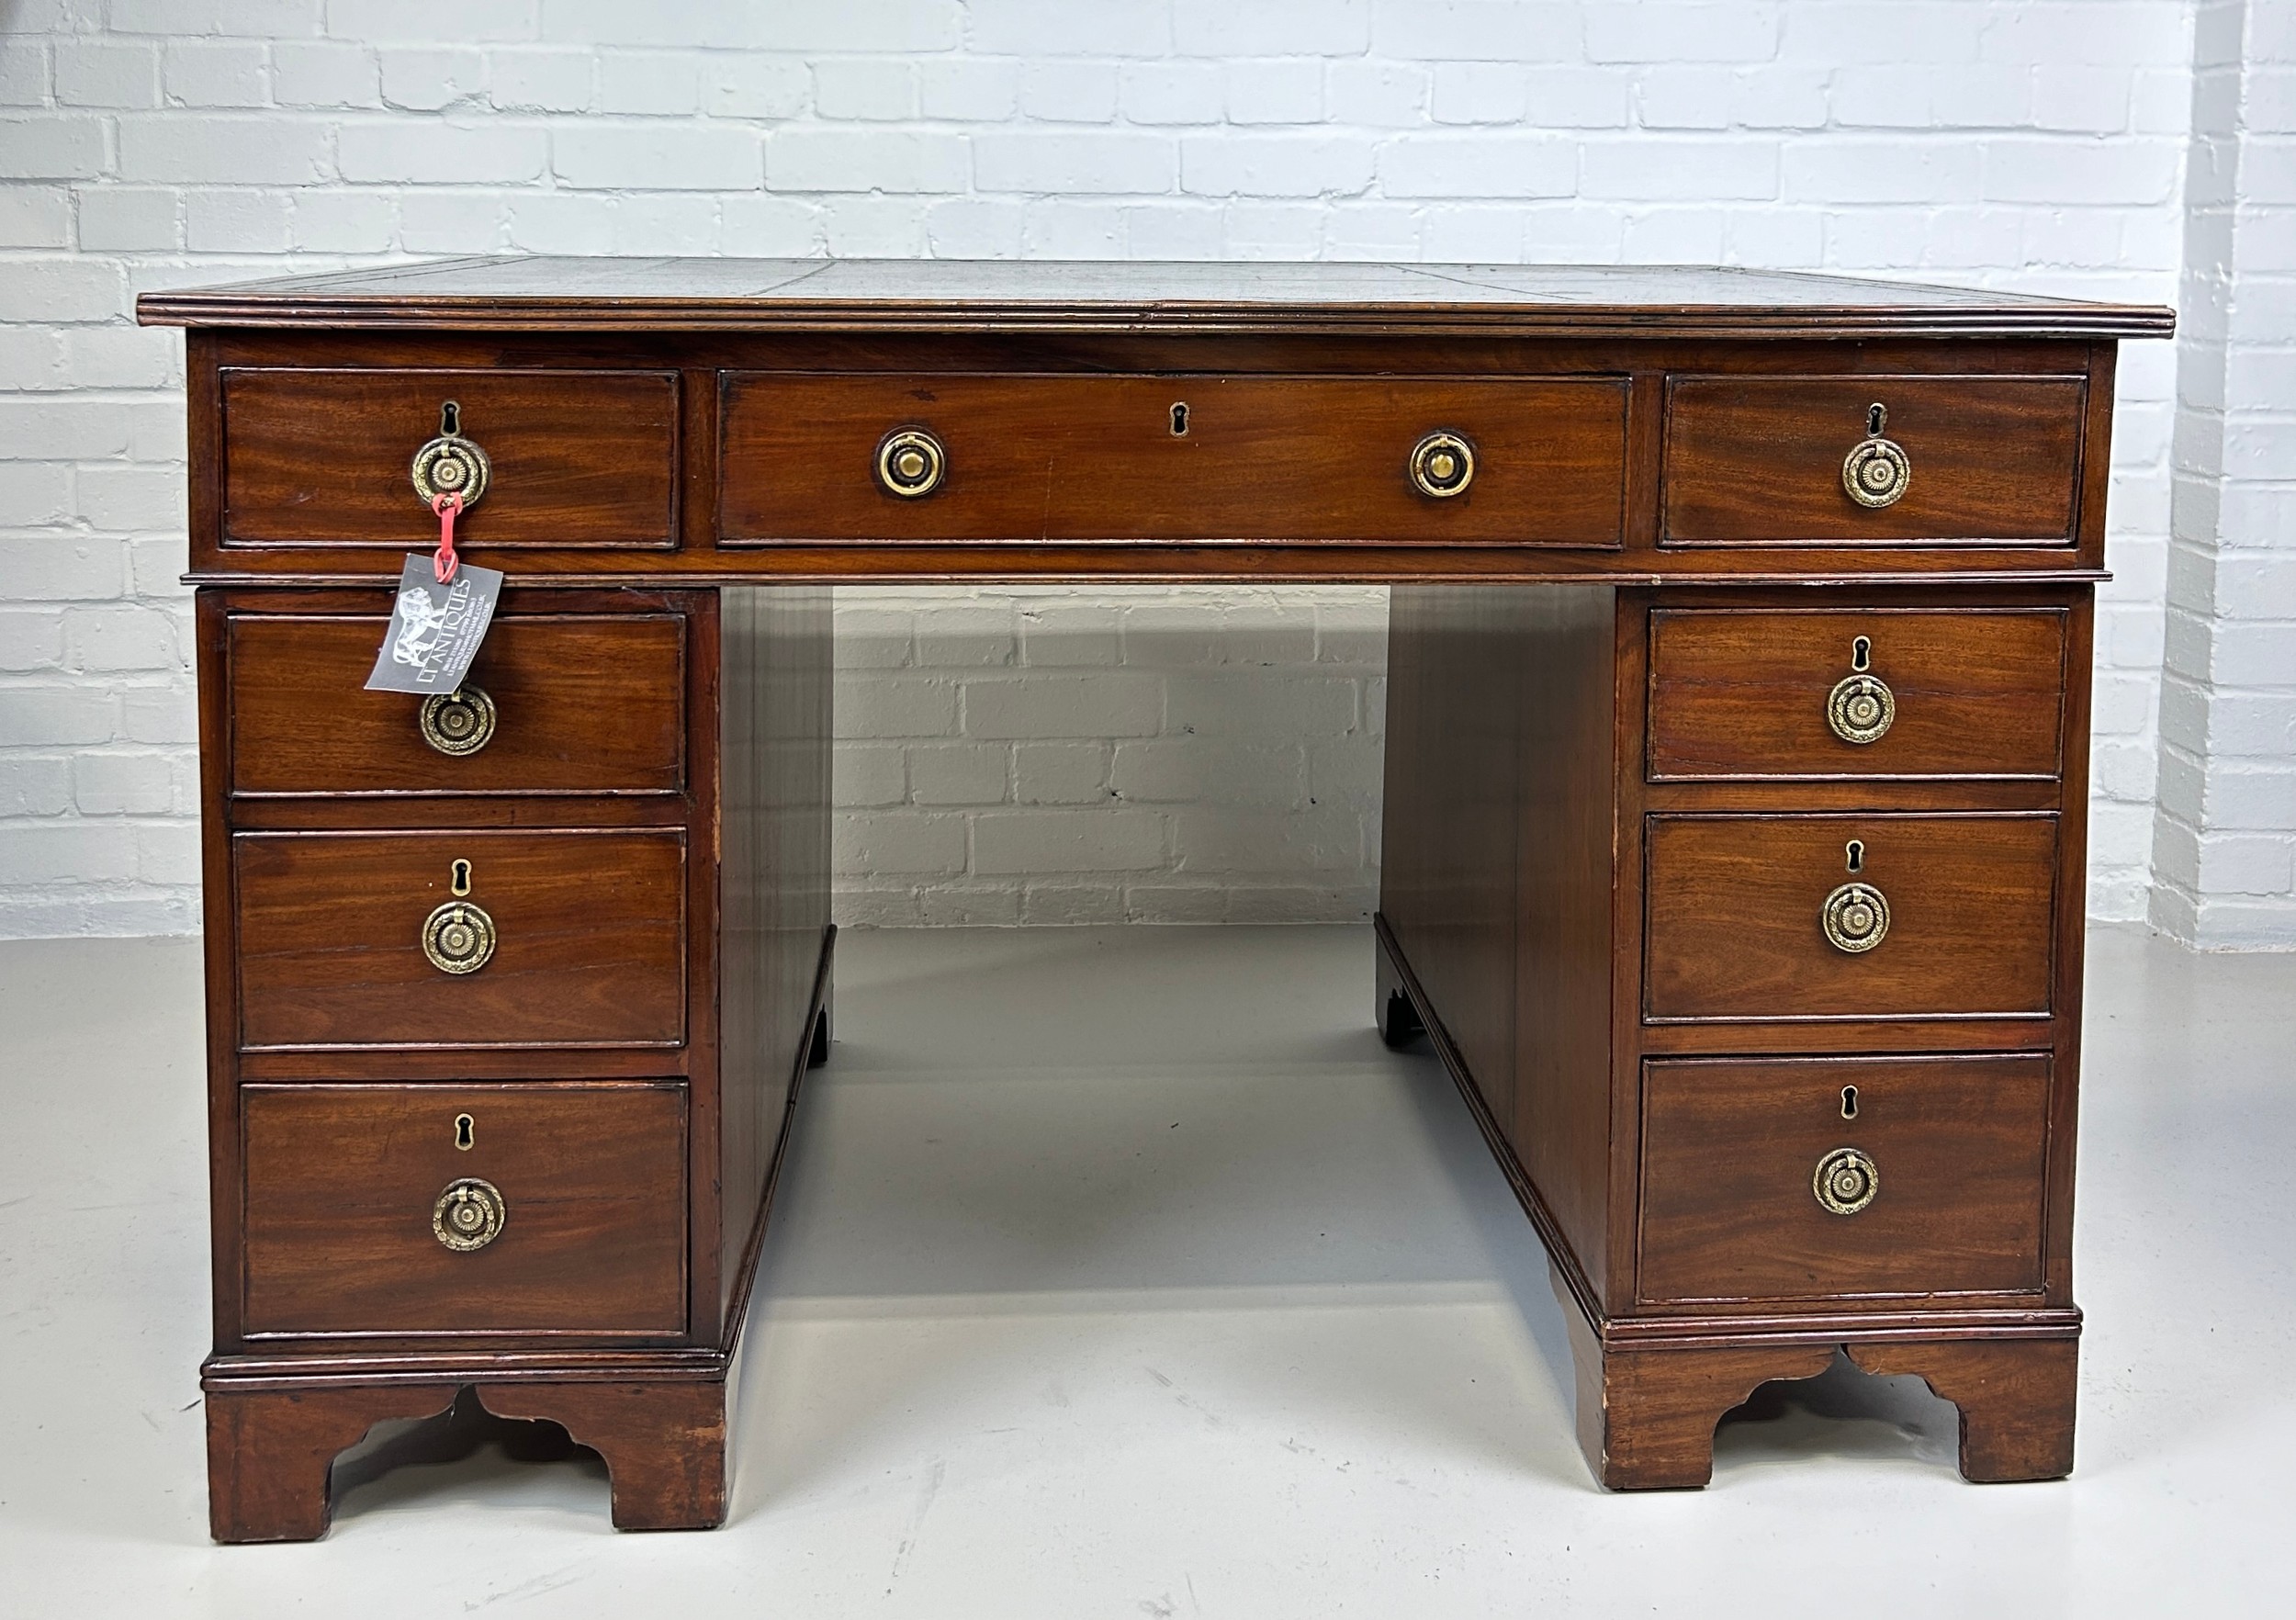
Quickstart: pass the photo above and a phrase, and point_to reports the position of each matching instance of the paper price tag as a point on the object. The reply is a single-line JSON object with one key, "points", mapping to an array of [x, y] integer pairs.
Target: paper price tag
{"points": [[435, 627]]}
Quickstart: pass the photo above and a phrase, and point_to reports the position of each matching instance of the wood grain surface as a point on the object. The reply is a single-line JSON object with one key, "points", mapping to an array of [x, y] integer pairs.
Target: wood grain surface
{"points": [[584, 703], [1753, 461], [1742, 694], [1730, 1147], [1091, 458], [1734, 906], [590, 926], [341, 1181], [579, 458]]}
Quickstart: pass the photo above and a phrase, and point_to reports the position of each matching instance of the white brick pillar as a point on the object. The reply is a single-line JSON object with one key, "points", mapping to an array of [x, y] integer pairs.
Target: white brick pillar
{"points": [[2225, 829]]}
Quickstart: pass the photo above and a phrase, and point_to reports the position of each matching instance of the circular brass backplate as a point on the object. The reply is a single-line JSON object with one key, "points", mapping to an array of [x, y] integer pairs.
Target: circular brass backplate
{"points": [[1855, 918], [458, 938], [468, 1215], [1876, 472], [1845, 1182], [451, 465], [1860, 709], [457, 723], [911, 463], [1442, 465]]}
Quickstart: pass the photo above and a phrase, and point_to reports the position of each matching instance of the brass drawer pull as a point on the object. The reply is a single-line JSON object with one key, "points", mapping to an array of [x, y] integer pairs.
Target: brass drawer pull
{"points": [[1845, 1182], [1861, 709], [1876, 473], [911, 463], [458, 938], [468, 1215], [457, 723], [1442, 465], [1856, 917], [451, 465]]}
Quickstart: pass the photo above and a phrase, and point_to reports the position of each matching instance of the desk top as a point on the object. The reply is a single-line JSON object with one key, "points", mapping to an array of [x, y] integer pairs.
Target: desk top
{"points": [[954, 295]]}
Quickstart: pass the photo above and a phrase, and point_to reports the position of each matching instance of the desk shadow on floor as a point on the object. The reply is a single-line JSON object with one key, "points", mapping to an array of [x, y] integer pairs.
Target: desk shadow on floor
{"points": [[468, 1457]]}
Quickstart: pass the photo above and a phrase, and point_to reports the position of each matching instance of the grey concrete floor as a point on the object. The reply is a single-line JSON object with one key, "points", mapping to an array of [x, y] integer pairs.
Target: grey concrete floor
{"points": [[1124, 1273]]}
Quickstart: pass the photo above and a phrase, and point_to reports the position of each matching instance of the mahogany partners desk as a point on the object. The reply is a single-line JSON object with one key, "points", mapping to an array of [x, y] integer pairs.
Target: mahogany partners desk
{"points": [[1735, 806]]}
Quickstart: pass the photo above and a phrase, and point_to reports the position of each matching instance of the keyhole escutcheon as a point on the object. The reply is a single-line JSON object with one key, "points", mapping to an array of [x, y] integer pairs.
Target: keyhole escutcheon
{"points": [[1861, 654], [1853, 854], [465, 1132], [1849, 1102], [450, 420], [458, 879], [1179, 420], [1876, 419]]}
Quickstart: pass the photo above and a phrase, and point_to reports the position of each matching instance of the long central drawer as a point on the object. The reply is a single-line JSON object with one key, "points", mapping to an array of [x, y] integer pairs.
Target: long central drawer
{"points": [[1171, 458]]}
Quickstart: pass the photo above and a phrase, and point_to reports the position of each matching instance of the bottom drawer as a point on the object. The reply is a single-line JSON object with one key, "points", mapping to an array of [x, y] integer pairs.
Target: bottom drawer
{"points": [[1943, 1196], [516, 1208]]}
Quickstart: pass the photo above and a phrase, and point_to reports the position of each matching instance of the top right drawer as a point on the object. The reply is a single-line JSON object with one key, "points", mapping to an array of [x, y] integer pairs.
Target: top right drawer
{"points": [[1895, 460]]}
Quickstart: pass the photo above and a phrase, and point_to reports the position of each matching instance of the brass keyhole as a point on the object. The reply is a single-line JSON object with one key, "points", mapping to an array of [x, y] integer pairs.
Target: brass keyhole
{"points": [[458, 879], [1855, 852], [1179, 420], [1849, 1102], [1876, 419], [450, 420], [1861, 654], [464, 1126]]}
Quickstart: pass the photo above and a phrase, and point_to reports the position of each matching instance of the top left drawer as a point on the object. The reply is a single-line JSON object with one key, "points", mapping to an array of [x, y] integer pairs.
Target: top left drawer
{"points": [[324, 457]]}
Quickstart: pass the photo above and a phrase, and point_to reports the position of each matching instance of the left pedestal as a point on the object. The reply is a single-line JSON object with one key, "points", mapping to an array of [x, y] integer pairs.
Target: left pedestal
{"points": [[510, 990]]}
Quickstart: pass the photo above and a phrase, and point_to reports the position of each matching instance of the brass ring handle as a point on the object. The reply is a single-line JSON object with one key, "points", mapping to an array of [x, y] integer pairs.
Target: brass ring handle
{"points": [[1855, 918], [1845, 1182], [911, 463], [458, 938], [468, 1215], [1442, 465], [1861, 708], [450, 463], [1876, 473], [457, 723]]}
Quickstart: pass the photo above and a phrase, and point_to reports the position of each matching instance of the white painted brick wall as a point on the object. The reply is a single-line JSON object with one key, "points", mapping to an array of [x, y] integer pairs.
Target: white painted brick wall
{"points": [[1051, 755], [146, 142], [2225, 834]]}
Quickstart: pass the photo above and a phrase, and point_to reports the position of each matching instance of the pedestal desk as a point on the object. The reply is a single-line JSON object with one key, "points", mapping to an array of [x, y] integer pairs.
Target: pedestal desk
{"points": [[1735, 803]]}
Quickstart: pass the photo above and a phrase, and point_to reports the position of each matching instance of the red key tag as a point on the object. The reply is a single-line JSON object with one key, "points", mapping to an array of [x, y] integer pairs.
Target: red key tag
{"points": [[448, 507]]}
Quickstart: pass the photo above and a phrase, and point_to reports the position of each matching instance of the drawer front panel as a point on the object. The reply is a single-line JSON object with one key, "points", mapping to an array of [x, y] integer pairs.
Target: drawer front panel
{"points": [[1753, 461], [589, 940], [344, 1184], [1736, 907], [1096, 457], [1952, 1149], [322, 458], [581, 704], [1744, 693]]}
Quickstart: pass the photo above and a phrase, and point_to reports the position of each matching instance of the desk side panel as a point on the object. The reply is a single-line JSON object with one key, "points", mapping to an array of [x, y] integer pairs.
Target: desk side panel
{"points": [[1566, 873], [773, 883], [1448, 845], [1497, 867]]}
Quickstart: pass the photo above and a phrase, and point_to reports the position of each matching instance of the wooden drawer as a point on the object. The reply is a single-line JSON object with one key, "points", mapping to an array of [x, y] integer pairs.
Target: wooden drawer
{"points": [[1736, 906], [343, 1182], [582, 703], [1097, 458], [1748, 694], [1758, 460], [1954, 1150], [315, 457], [589, 930]]}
